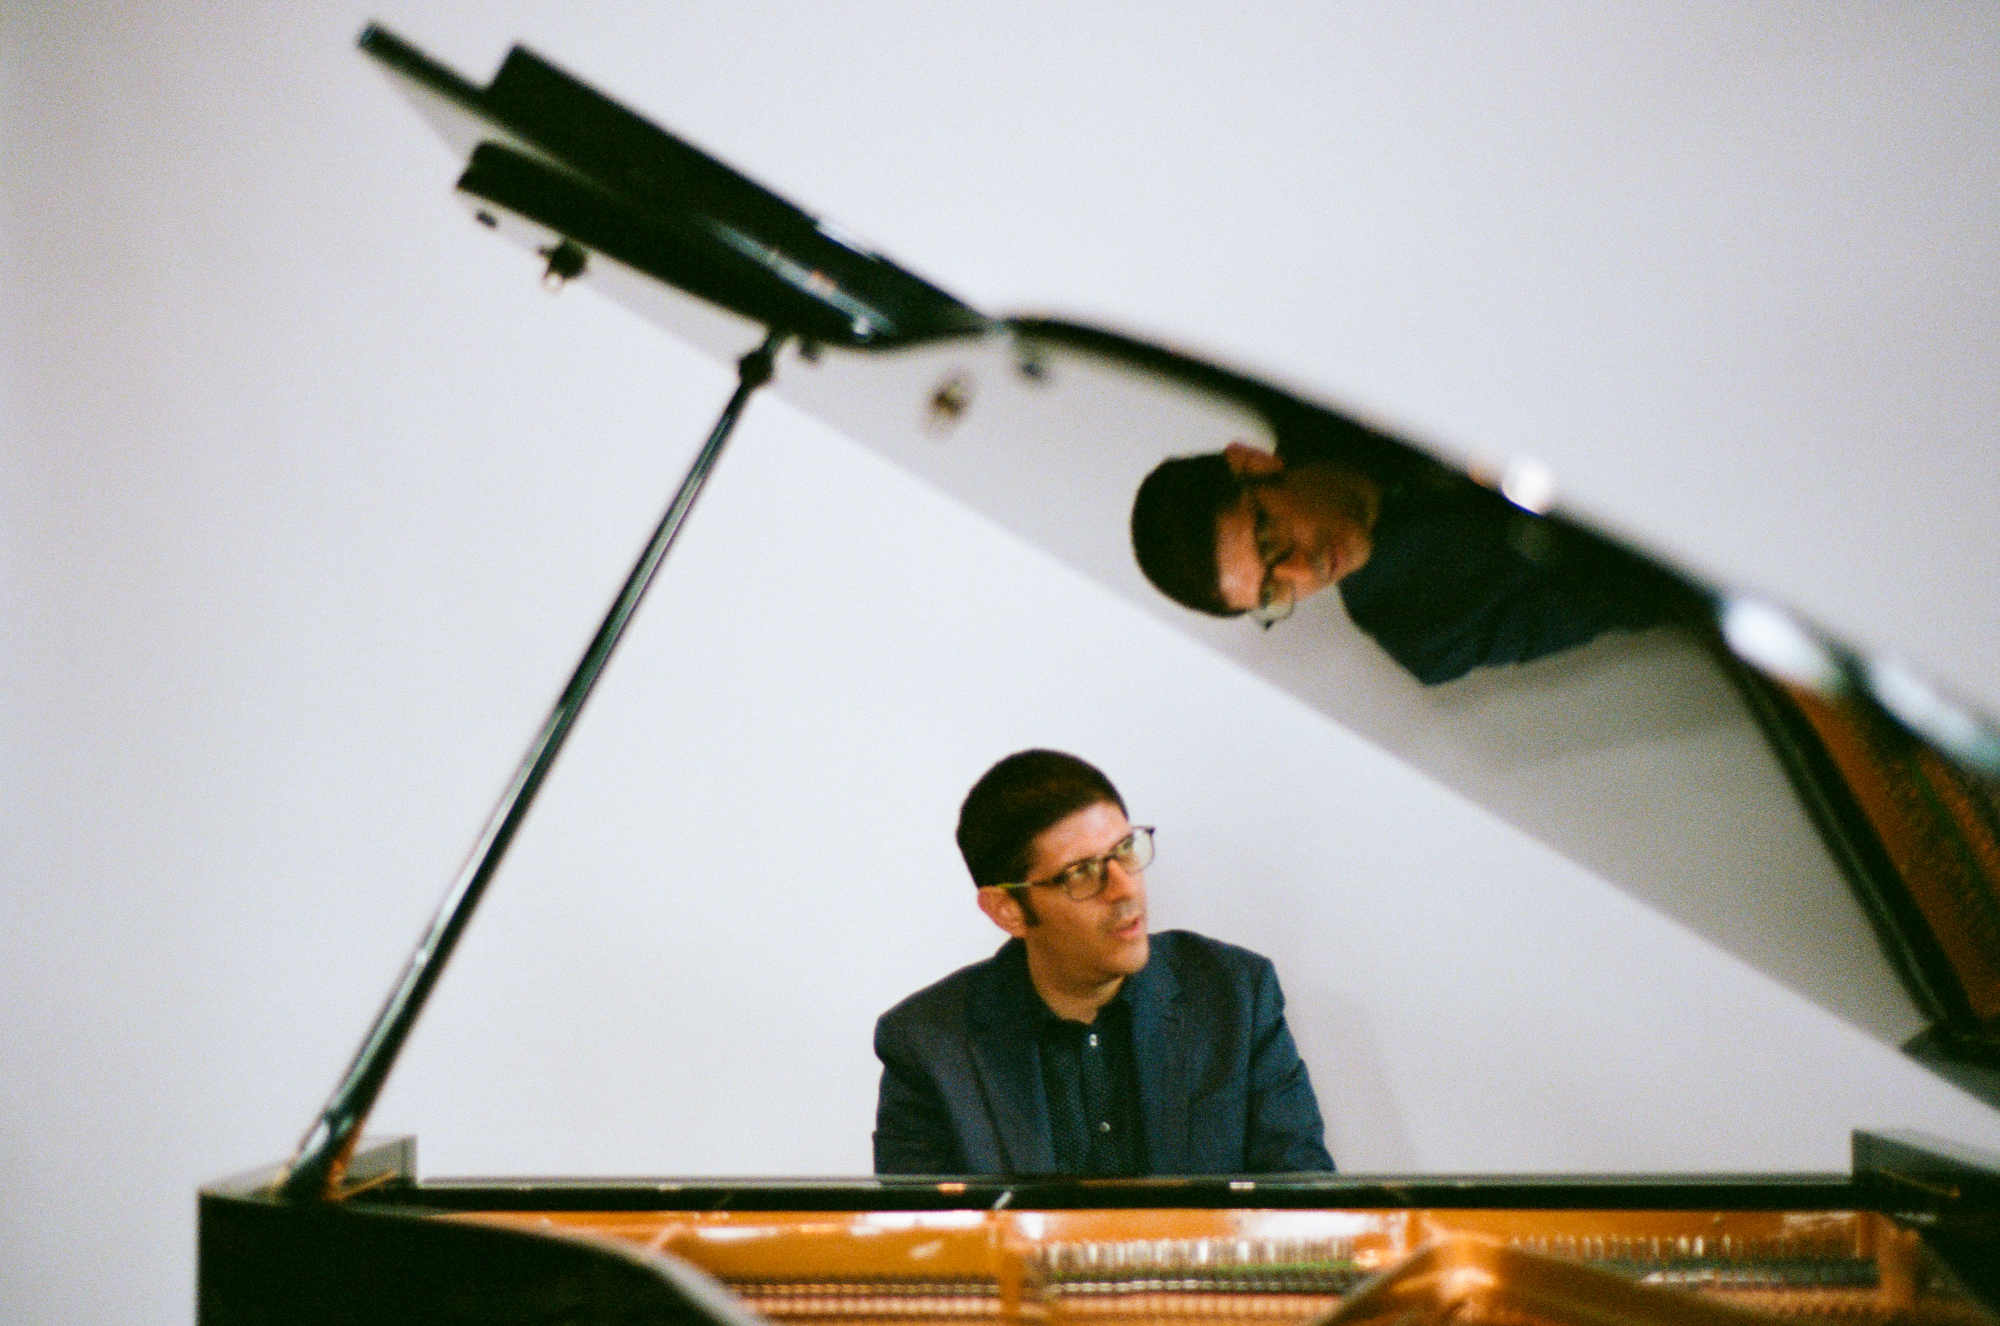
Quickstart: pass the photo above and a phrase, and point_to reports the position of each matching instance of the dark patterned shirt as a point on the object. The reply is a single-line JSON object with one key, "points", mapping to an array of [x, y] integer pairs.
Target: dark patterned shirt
{"points": [[1092, 1092]]}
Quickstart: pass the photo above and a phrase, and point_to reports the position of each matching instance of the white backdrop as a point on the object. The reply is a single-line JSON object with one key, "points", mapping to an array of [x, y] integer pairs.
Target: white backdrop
{"points": [[311, 497]]}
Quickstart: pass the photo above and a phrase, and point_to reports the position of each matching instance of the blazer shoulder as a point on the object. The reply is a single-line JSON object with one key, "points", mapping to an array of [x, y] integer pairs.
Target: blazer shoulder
{"points": [[943, 1001], [1191, 954]]}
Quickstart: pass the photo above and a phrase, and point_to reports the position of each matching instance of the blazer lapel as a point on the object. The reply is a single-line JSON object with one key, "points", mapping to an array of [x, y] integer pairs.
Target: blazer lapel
{"points": [[1160, 1065], [1003, 1036]]}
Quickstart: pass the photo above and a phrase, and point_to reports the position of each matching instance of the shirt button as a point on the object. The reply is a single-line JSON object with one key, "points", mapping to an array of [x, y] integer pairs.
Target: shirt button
{"points": [[1104, 1125], [1093, 1040]]}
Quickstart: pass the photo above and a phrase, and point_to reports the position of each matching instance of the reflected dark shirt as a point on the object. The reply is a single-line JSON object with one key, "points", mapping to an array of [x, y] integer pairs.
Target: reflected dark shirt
{"points": [[1460, 578]]}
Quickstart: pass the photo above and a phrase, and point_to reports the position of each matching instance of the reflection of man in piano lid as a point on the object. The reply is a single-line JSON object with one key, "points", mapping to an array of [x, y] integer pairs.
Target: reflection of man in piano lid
{"points": [[1444, 575], [1078, 1047]]}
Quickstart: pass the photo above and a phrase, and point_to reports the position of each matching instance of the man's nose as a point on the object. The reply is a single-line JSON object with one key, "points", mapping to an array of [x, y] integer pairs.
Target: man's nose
{"points": [[1297, 569], [1122, 881]]}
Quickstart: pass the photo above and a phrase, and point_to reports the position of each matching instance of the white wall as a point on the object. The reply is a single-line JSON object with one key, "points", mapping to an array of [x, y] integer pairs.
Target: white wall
{"points": [[311, 497]]}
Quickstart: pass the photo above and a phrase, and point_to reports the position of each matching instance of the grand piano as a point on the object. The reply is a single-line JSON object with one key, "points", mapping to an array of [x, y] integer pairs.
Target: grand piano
{"points": [[1900, 783]]}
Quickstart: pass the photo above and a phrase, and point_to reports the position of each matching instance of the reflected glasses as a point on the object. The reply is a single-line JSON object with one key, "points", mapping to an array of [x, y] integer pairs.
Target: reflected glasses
{"points": [[1274, 596], [1083, 880]]}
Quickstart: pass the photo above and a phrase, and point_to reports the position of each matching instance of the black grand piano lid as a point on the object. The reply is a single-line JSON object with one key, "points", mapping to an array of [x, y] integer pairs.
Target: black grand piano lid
{"points": [[1847, 775]]}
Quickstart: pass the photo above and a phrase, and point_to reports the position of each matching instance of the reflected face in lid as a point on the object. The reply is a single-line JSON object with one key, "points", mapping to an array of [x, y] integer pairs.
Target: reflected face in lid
{"points": [[1292, 531]]}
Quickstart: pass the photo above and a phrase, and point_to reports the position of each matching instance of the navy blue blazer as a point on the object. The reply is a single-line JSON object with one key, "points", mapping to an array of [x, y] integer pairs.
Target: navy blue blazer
{"points": [[1222, 1089]]}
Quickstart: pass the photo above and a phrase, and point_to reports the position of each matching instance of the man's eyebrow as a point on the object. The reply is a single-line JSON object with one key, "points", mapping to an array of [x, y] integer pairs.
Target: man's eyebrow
{"points": [[1093, 856]]}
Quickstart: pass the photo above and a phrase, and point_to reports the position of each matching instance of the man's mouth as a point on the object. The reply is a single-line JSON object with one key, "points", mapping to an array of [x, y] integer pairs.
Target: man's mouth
{"points": [[1129, 926]]}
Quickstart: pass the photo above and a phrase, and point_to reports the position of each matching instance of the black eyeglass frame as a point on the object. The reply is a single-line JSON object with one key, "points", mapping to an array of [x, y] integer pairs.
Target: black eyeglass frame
{"points": [[1134, 852], [1275, 600]]}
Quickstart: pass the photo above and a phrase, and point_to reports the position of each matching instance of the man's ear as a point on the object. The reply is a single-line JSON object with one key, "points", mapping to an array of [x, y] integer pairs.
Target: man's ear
{"points": [[1004, 910], [1248, 462]]}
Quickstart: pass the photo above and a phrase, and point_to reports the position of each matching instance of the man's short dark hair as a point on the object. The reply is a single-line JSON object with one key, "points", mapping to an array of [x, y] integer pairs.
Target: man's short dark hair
{"points": [[1017, 799], [1173, 529]]}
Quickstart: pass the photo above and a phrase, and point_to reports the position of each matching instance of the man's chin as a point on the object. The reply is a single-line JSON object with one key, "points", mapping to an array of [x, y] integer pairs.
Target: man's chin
{"points": [[1132, 956]]}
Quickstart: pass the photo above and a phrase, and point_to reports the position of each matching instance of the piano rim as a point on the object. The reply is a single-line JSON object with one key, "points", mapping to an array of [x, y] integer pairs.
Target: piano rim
{"points": [[384, 1173]]}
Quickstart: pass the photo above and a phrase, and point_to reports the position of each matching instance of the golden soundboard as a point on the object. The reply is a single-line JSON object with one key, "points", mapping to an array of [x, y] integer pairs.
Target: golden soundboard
{"points": [[1250, 1264]]}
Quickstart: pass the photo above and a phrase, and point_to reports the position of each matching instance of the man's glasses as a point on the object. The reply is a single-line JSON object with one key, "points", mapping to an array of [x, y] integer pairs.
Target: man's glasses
{"points": [[1274, 596], [1085, 879]]}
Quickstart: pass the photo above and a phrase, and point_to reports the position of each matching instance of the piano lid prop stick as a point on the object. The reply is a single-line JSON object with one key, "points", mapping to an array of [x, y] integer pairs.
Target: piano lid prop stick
{"points": [[316, 1169]]}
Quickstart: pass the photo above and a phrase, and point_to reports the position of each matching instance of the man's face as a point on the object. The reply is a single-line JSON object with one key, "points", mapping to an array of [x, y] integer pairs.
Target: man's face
{"points": [[1084, 944], [1294, 529]]}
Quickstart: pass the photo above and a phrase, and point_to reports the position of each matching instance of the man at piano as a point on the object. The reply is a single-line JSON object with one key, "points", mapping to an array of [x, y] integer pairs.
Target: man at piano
{"points": [[1085, 1045], [1443, 574]]}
